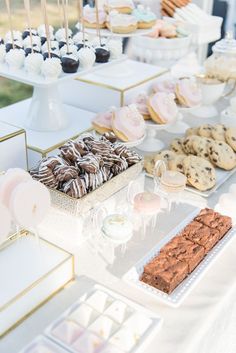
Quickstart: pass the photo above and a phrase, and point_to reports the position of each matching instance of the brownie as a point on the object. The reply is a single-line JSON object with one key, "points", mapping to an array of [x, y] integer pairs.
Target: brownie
{"points": [[164, 273], [184, 250], [201, 235], [215, 220]]}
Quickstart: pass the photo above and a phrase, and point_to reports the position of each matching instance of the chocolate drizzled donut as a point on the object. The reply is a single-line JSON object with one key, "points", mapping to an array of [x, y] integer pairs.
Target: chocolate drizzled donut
{"points": [[75, 188], [65, 173], [89, 163]]}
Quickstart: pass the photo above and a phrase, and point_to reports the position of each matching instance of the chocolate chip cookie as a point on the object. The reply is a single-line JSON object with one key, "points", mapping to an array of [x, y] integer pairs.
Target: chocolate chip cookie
{"points": [[199, 172], [218, 132], [230, 136], [176, 163], [176, 146], [222, 155], [205, 130]]}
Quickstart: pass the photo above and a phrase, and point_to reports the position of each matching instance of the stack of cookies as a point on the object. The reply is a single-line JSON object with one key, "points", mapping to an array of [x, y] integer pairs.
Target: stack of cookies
{"points": [[84, 165], [178, 258], [198, 153]]}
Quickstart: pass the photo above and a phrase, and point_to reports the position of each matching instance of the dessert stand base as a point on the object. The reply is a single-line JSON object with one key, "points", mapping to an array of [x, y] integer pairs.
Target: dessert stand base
{"points": [[178, 128], [46, 112], [205, 111], [39, 143]]}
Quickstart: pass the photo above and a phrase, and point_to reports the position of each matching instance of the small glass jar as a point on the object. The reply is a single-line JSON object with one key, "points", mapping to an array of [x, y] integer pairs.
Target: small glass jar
{"points": [[222, 63]]}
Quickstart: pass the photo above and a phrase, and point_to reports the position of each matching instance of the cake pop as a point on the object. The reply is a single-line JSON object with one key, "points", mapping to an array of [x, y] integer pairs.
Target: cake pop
{"points": [[27, 32], [1, 41], [51, 68], [53, 54], [10, 46], [102, 54], [16, 36], [42, 31], [33, 63], [78, 37], [70, 49], [53, 45], [115, 48], [29, 50], [86, 57], [69, 63], [15, 58], [35, 41], [63, 42], [61, 34]]}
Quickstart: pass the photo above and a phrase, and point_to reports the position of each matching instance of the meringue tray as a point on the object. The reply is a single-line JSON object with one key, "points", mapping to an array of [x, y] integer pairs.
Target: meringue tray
{"points": [[105, 322], [184, 288], [84, 204], [221, 177]]}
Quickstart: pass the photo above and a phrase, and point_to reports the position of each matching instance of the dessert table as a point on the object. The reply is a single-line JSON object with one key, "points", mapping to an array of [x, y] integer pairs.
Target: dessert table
{"points": [[206, 320]]}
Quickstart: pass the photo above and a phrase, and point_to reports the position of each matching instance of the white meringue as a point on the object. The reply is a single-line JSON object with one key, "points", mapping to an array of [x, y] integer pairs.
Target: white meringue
{"points": [[2, 53], [61, 34], [33, 63], [115, 47], [15, 58], [51, 68], [86, 57]]}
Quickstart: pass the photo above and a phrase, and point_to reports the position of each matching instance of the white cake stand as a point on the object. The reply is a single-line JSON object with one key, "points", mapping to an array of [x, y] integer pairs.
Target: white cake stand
{"points": [[151, 142], [46, 111], [104, 32], [179, 127]]}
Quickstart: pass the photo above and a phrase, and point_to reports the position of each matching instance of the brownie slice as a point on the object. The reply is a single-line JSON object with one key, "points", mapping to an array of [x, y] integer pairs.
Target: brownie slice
{"points": [[201, 235], [184, 250], [215, 220], [164, 273]]}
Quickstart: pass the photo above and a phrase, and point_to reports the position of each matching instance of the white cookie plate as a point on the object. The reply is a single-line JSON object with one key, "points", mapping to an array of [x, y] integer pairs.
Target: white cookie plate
{"points": [[183, 290], [221, 177]]}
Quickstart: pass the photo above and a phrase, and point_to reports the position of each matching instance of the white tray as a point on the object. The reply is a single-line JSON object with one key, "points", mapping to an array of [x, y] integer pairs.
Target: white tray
{"points": [[132, 308], [221, 177], [40, 341], [180, 293]]}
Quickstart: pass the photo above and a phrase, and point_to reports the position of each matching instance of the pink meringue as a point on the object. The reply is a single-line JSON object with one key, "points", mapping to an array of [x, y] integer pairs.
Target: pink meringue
{"points": [[103, 121], [167, 86]]}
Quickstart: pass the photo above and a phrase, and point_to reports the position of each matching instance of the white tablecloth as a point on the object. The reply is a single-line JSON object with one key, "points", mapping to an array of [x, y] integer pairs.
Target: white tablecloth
{"points": [[204, 323]]}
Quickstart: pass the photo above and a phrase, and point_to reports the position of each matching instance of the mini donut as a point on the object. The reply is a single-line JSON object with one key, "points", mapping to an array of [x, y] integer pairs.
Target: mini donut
{"points": [[188, 93], [121, 23], [90, 18], [102, 122], [162, 108], [128, 124], [145, 17], [121, 6]]}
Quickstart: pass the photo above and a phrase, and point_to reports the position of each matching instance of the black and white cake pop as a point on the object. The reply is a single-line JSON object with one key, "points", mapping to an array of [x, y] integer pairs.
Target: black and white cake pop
{"points": [[102, 54], [69, 63]]}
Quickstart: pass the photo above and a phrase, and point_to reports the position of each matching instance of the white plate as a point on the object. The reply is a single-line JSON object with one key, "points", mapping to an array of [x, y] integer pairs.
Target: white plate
{"points": [[221, 177], [132, 308], [179, 294], [104, 32]]}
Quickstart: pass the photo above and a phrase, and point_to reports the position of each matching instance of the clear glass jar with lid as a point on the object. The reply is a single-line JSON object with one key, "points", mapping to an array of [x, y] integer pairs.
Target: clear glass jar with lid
{"points": [[222, 63]]}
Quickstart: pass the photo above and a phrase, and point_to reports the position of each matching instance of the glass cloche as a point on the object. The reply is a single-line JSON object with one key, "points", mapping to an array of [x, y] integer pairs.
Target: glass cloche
{"points": [[222, 63]]}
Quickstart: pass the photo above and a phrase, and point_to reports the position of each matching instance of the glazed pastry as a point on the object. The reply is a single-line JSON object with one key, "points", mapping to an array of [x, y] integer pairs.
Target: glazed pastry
{"points": [[128, 124], [69, 63], [33, 63], [90, 19], [122, 6], [15, 58], [121, 23], [188, 93], [162, 108], [117, 227], [51, 68], [147, 203], [145, 17], [103, 121], [102, 54], [141, 102], [86, 57]]}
